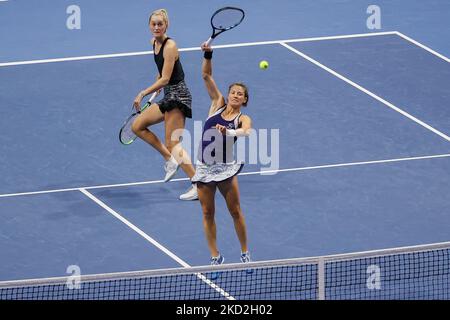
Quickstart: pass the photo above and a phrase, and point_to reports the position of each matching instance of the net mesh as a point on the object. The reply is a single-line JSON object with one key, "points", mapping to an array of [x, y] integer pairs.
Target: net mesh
{"points": [[418, 274], [406, 276]]}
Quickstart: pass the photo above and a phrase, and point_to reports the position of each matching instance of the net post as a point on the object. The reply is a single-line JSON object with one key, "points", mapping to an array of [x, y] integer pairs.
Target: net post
{"points": [[321, 278]]}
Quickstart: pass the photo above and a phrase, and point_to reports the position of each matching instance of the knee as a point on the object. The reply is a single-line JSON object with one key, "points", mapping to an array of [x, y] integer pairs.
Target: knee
{"points": [[236, 212], [136, 128], [208, 213]]}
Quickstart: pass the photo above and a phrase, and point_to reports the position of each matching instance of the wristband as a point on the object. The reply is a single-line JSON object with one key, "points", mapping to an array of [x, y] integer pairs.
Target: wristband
{"points": [[207, 55]]}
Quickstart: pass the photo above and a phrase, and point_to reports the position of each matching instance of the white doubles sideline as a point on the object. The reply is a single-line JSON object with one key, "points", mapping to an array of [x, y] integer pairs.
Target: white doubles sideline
{"points": [[138, 53]]}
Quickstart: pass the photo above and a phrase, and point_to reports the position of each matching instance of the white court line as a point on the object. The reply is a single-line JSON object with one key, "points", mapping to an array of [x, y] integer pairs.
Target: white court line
{"points": [[139, 53], [422, 46], [100, 56], [154, 242], [373, 95], [351, 164], [262, 172], [134, 228]]}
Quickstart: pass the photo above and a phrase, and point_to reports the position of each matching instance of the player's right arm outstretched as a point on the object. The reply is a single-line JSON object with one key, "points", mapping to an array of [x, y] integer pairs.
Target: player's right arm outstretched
{"points": [[217, 99]]}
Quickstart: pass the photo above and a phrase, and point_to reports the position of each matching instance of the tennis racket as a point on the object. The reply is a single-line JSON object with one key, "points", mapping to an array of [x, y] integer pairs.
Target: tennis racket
{"points": [[225, 19], [126, 135]]}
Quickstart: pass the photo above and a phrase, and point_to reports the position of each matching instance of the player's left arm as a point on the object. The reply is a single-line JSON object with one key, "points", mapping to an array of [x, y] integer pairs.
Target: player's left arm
{"points": [[245, 124]]}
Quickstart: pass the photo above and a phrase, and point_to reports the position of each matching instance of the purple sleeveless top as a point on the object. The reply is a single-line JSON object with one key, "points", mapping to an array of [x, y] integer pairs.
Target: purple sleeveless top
{"points": [[215, 147]]}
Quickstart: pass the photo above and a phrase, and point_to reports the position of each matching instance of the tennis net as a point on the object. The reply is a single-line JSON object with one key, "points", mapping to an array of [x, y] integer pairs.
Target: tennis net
{"points": [[419, 272]]}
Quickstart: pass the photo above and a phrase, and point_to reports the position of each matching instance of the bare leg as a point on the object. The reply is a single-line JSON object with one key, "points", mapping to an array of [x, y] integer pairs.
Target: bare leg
{"points": [[206, 194], [150, 116], [175, 121], [230, 191]]}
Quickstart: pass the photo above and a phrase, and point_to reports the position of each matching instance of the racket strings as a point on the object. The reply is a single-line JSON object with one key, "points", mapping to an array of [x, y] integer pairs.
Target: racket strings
{"points": [[126, 133], [227, 19]]}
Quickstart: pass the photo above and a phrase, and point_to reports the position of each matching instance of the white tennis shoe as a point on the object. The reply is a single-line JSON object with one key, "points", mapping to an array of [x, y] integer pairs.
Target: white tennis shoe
{"points": [[171, 167], [191, 194]]}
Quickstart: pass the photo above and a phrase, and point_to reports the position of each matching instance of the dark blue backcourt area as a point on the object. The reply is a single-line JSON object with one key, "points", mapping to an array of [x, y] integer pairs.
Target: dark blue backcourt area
{"points": [[362, 175]]}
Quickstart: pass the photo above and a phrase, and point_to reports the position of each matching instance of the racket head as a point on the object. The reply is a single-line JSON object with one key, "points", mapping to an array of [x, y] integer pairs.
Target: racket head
{"points": [[227, 18], [126, 134]]}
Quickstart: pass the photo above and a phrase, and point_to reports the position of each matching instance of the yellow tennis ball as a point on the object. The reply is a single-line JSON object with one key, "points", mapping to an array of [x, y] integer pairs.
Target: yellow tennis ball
{"points": [[263, 65]]}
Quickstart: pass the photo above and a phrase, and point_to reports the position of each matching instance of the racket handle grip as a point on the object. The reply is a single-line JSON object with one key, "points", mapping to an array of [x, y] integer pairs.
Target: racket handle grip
{"points": [[209, 41], [149, 102], [153, 96]]}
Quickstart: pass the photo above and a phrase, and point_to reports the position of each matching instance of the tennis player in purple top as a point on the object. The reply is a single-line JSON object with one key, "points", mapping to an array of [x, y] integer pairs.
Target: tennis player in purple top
{"points": [[216, 165]]}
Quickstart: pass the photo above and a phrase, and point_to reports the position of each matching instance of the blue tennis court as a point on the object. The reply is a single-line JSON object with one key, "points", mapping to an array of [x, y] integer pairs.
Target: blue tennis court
{"points": [[359, 158]]}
